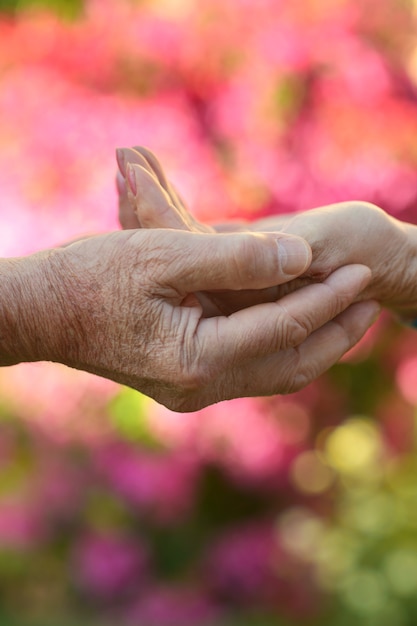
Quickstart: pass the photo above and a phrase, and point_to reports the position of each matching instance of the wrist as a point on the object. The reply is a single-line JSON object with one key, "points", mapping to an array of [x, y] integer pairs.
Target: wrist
{"points": [[32, 307], [404, 301]]}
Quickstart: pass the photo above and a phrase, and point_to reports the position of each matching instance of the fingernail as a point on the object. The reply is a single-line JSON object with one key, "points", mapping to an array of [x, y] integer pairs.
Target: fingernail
{"points": [[294, 255], [131, 179], [121, 161], [121, 184]]}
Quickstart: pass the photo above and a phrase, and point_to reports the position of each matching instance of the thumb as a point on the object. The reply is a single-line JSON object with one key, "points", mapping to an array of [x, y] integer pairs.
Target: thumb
{"points": [[204, 261]]}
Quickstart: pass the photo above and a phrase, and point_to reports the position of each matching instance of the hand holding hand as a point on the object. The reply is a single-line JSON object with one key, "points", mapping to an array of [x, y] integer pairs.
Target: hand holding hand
{"points": [[339, 234], [122, 306], [154, 203]]}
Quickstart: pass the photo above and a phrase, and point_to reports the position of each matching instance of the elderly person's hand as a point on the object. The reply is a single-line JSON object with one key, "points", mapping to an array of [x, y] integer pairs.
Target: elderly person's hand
{"points": [[122, 306], [359, 232], [339, 234]]}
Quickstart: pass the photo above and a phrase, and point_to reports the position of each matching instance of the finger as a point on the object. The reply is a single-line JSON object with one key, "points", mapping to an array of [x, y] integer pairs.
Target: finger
{"points": [[130, 155], [235, 226], [290, 370], [154, 164], [127, 216], [189, 220], [199, 262], [177, 199], [274, 223], [146, 191], [328, 344], [152, 203], [172, 213], [229, 302], [140, 155], [295, 368], [266, 328]]}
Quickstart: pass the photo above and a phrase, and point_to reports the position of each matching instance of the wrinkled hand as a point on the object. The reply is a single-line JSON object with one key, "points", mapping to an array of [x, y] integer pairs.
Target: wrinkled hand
{"points": [[122, 306], [339, 234]]}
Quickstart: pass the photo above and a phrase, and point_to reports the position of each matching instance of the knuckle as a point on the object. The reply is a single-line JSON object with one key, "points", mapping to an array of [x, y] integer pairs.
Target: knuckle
{"points": [[346, 340], [284, 381], [242, 268], [251, 260], [335, 299], [331, 299], [303, 376], [301, 380], [294, 331], [360, 209], [299, 375], [362, 205], [352, 205]]}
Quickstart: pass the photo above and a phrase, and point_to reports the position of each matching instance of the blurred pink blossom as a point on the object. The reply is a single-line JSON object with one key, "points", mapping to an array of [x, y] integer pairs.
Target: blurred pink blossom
{"points": [[64, 403], [241, 564], [248, 565], [407, 379], [160, 484], [20, 527], [108, 565], [171, 606], [251, 438]]}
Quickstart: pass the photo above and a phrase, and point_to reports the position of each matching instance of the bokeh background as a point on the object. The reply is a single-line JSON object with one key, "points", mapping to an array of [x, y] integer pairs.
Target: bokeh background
{"points": [[284, 511]]}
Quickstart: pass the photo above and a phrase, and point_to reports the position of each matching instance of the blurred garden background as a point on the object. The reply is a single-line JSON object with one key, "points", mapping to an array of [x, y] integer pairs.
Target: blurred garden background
{"points": [[284, 511]]}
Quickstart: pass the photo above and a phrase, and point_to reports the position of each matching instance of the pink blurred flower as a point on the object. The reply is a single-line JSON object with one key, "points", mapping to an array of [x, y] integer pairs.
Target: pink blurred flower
{"points": [[58, 486], [407, 379], [249, 437], [110, 565], [243, 435], [247, 566], [160, 484], [64, 403], [21, 528], [397, 420], [163, 606], [241, 564]]}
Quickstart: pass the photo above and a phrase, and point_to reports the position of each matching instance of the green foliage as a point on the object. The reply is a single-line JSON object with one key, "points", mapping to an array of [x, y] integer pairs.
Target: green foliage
{"points": [[214, 497], [129, 415], [68, 9], [9, 620], [258, 620]]}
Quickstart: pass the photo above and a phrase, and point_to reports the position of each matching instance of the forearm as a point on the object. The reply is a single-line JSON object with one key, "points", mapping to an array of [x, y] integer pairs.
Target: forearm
{"points": [[31, 322]]}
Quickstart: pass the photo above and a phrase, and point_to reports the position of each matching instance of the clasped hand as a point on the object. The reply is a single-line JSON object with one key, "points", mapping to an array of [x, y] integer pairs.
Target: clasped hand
{"points": [[191, 314], [339, 235], [260, 331]]}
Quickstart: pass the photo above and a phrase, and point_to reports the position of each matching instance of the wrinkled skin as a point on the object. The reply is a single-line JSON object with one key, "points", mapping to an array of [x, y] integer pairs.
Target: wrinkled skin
{"points": [[339, 234], [122, 306]]}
